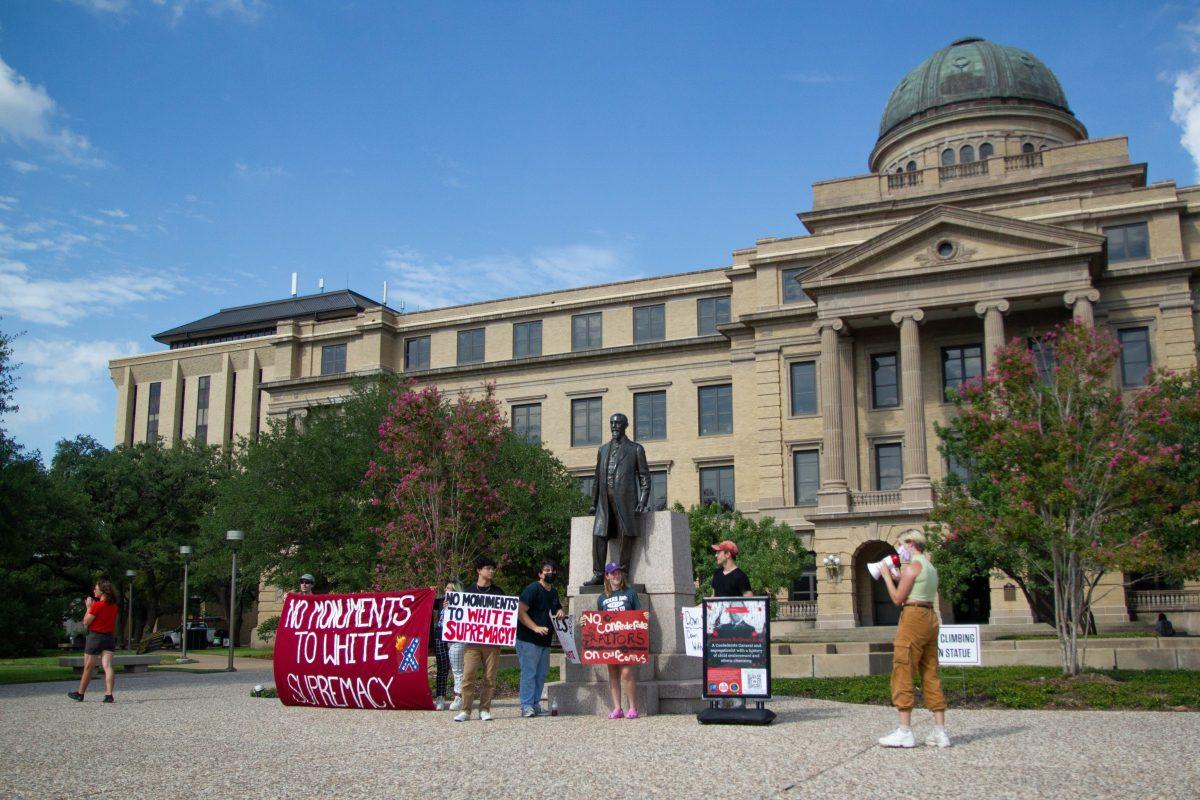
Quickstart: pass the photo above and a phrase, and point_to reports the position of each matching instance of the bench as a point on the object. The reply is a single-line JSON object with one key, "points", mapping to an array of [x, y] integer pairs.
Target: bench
{"points": [[132, 664]]}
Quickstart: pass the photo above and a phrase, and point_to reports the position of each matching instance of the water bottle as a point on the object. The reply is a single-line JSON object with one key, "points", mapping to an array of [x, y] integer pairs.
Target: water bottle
{"points": [[554, 708]]}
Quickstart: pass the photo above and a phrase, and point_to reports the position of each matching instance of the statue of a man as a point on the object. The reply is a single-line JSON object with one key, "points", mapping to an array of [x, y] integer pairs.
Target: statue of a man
{"points": [[620, 492]]}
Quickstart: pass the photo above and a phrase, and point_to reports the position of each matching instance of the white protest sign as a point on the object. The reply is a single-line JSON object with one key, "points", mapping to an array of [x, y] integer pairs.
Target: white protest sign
{"points": [[959, 646], [565, 628], [693, 630], [473, 618]]}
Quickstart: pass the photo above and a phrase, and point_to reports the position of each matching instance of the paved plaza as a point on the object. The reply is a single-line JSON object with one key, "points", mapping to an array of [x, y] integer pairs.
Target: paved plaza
{"points": [[182, 735]]}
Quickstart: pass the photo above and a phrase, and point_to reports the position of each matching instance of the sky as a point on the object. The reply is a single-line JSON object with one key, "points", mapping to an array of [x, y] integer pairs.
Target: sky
{"points": [[163, 159]]}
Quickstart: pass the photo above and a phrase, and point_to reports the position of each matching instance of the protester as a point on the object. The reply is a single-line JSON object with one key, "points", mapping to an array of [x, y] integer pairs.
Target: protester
{"points": [[538, 601], [440, 650], [476, 656], [455, 652], [916, 642], [1163, 626], [616, 597], [729, 580], [307, 581], [101, 621]]}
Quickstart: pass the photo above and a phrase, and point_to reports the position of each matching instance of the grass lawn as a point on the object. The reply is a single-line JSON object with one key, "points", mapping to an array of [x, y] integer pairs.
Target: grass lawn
{"points": [[1021, 688], [45, 667]]}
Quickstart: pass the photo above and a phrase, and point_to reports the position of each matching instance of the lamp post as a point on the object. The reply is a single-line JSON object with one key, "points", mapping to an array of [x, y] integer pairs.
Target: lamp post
{"points": [[129, 628], [235, 541], [185, 551]]}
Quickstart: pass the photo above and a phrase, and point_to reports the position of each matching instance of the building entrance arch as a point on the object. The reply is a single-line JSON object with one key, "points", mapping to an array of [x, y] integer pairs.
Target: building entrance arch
{"points": [[872, 603]]}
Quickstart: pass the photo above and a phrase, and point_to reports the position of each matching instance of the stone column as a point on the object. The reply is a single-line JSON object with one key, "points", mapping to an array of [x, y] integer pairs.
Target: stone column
{"points": [[849, 412], [1080, 302], [916, 489], [833, 495], [126, 408], [993, 312]]}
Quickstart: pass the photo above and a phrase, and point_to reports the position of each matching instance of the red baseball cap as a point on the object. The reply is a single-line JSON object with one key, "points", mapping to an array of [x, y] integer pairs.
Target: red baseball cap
{"points": [[727, 546]]}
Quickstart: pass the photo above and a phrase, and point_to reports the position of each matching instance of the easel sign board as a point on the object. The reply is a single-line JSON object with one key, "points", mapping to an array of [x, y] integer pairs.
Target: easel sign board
{"points": [[737, 647], [959, 646]]}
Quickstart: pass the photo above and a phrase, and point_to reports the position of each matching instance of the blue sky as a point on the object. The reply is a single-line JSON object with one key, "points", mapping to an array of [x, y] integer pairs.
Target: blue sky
{"points": [[161, 159]]}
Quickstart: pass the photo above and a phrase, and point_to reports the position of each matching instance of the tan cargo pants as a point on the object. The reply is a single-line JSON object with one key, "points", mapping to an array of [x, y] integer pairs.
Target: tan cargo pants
{"points": [[916, 648]]}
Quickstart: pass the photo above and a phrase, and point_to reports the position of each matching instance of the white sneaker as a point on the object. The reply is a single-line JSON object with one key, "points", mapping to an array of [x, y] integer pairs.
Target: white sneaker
{"points": [[937, 738], [528, 712], [457, 704], [463, 716], [898, 738], [440, 705], [486, 716]]}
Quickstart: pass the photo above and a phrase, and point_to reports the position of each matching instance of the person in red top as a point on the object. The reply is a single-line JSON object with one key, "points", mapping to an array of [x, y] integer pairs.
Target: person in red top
{"points": [[101, 621]]}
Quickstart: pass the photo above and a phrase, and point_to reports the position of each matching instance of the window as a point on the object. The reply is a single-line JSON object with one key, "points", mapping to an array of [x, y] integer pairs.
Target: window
{"points": [[885, 381], [586, 484], [527, 422], [959, 365], [649, 416], [1127, 242], [585, 331], [527, 339], [416, 353], [899, 170], [658, 490], [986, 150], [958, 469], [711, 312], [910, 166], [966, 155], [947, 157], [804, 588], [804, 387], [1043, 359], [792, 291], [806, 476], [152, 412], [716, 486], [586, 421], [716, 410], [889, 470], [1027, 147], [1135, 355], [333, 359], [649, 323], [202, 409], [470, 346]]}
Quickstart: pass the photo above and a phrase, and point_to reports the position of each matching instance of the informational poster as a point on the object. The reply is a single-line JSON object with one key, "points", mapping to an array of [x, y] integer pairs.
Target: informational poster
{"points": [[355, 650], [565, 628], [615, 637], [693, 630], [737, 647], [473, 618], [959, 646]]}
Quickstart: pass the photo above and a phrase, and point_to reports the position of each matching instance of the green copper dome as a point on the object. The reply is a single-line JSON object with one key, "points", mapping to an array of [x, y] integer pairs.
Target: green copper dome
{"points": [[971, 69]]}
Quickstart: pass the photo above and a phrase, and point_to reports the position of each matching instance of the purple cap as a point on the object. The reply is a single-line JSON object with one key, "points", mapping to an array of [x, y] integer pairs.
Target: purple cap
{"points": [[612, 567]]}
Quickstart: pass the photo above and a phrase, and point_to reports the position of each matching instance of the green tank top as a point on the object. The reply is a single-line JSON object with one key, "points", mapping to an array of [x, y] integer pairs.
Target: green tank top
{"points": [[926, 585]]}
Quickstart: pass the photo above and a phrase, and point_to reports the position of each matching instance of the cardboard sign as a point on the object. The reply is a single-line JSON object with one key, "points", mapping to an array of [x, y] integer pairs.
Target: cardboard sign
{"points": [[693, 630], [565, 628], [615, 637], [737, 647], [355, 650], [959, 646], [473, 618]]}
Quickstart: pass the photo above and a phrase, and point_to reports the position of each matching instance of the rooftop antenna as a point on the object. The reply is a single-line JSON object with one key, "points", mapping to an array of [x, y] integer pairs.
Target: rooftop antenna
{"points": [[321, 285], [294, 284], [385, 293]]}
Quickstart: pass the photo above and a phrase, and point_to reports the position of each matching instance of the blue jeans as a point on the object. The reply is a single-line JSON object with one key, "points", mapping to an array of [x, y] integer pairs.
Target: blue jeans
{"points": [[535, 663]]}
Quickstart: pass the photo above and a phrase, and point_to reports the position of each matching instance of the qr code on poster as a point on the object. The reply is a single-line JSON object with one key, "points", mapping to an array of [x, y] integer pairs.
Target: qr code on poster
{"points": [[755, 681]]}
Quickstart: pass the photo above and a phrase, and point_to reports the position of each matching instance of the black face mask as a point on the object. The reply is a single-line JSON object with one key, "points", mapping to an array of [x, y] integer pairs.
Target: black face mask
{"points": [[549, 577]]}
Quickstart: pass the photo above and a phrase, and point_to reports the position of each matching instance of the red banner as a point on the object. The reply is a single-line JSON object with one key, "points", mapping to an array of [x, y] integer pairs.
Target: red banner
{"points": [[355, 650], [615, 637]]}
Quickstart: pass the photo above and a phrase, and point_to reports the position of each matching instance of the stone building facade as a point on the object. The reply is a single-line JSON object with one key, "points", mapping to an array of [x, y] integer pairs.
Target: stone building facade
{"points": [[802, 380]]}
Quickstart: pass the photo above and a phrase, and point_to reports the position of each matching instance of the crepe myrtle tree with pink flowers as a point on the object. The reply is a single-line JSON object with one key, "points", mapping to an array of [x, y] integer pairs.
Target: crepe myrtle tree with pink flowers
{"points": [[1067, 479]]}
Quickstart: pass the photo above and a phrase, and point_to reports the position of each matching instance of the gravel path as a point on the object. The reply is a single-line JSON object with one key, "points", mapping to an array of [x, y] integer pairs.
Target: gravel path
{"points": [[181, 735]]}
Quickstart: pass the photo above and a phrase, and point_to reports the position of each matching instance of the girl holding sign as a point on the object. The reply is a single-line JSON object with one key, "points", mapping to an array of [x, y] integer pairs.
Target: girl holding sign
{"points": [[616, 597]]}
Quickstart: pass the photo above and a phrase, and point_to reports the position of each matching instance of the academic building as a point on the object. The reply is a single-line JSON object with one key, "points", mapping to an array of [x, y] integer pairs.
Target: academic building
{"points": [[802, 380]]}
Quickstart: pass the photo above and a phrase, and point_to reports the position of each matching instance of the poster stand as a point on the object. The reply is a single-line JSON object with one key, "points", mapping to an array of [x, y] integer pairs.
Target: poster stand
{"points": [[737, 660]]}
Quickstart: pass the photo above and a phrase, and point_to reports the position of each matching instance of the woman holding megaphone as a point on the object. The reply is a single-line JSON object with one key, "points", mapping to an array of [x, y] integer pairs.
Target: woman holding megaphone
{"points": [[916, 641]]}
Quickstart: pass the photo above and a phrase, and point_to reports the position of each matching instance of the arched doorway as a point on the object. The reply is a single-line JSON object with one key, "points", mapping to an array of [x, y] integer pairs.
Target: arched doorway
{"points": [[871, 599]]}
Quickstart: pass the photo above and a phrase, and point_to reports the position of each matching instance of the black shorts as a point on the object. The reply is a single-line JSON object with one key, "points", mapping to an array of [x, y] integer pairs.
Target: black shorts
{"points": [[97, 643]]}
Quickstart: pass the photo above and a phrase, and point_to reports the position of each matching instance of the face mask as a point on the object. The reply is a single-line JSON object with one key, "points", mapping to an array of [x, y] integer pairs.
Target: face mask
{"points": [[905, 554], [549, 577]]}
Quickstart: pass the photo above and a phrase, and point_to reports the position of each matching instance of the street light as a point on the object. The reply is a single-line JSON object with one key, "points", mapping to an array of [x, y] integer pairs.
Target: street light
{"points": [[235, 541], [129, 632], [185, 551]]}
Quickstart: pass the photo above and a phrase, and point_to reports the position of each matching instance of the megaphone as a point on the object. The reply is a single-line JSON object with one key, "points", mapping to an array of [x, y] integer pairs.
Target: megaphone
{"points": [[891, 562]]}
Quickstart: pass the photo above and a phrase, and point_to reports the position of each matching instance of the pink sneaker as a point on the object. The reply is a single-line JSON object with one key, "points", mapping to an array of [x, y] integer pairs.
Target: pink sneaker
{"points": [[631, 714], [617, 714]]}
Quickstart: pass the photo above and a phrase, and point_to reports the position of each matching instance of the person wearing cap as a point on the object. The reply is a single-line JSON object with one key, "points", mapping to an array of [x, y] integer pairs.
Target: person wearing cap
{"points": [[916, 645], [729, 580], [617, 597], [306, 583]]}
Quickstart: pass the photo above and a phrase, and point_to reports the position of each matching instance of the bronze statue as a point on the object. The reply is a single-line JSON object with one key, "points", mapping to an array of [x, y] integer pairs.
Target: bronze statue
{"points": [[620, 491]]}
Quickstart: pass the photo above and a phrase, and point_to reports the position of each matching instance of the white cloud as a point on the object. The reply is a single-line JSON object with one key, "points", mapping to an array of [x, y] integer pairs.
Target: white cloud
{"points": [[27, 117], [66, 363], [23, 167], [104, 6], [246, 10], [115, 213], [38, 405], [430, 283], [60, 302], [8, 202], [816, 77], [1185, 101], [258, 171]]}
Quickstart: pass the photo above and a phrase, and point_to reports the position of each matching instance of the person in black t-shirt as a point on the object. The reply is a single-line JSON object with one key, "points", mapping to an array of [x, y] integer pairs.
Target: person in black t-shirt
{"points": [[729, 580], [538, 601]]}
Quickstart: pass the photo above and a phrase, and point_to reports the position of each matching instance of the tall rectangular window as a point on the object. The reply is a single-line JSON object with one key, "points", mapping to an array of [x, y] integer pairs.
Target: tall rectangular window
{"points": [[804, 588], [470, 346], [806, 476], [527, 422], [586, 483], [792, 292], [1043, 359], [959, 365], [649, 323], [649, 416], [333, 359], [889, 470], [1135, 355], [586, 332], [716, 409], [527, 339], [716, 486], [152, 409], [958, 469], [1128, 242], [885, 382], [658, 490], [416, 353], [711, 312], [202, 384], [804, 387], [587, 421]]}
